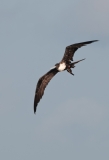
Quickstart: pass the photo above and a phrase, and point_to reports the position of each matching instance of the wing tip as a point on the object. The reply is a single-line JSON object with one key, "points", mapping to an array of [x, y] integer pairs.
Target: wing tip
{"points": [[35, 106], [95, 41], [34, 110], [88, 42]]}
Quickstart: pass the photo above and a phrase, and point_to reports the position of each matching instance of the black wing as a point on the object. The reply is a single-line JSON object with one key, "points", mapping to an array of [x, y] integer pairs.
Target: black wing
{"points": [[41, 85], [70, 50]]}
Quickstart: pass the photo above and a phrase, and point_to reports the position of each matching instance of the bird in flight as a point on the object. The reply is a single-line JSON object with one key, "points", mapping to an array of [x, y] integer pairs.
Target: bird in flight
{"points": [[64, 64]]}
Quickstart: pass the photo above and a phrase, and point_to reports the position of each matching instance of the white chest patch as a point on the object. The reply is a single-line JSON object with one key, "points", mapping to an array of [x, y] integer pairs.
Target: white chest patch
{"points": [[62, 66]]}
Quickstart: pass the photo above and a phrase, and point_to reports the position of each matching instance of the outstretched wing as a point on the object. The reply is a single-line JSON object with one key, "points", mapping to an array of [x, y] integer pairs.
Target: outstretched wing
{"points": [[70, 50], [41, 85]]}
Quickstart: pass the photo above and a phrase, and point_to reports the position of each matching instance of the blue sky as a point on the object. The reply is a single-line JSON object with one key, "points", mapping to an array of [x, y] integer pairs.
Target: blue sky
{"points": [[72, 119]]}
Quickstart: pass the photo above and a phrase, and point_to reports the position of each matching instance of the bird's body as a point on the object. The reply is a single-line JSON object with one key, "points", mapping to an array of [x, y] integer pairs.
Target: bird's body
{"points": [[64, 64]]}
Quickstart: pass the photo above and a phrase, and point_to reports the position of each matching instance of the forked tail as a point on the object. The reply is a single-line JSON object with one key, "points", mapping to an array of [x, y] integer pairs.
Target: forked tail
{"points": [[73, 64]]}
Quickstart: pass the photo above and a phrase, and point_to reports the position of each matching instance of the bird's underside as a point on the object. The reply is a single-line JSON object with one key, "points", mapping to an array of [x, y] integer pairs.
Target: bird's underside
{"points": [[65, 64]]}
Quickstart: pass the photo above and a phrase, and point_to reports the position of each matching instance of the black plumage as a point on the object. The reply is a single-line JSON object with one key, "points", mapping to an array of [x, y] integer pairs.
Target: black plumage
{"points": [[65, 64]]}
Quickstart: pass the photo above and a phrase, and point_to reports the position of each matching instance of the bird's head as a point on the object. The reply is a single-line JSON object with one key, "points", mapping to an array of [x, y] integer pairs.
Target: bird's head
{"points": [[57, 65]]}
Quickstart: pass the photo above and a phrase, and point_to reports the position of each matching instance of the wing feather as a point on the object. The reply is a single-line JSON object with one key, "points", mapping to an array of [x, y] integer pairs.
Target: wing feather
{"points": [[41, 85], [70, 50]]}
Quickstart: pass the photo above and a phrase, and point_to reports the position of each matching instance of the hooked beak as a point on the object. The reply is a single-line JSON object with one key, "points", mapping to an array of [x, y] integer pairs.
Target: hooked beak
{"points": [[53, 67]]}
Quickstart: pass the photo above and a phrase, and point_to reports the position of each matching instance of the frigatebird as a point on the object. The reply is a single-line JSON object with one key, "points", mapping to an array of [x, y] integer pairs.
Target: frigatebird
{"points": [[64, 64]]}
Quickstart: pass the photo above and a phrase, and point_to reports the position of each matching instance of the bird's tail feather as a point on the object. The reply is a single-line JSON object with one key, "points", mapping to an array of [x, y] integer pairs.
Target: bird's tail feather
{"points": [[73, 64]]}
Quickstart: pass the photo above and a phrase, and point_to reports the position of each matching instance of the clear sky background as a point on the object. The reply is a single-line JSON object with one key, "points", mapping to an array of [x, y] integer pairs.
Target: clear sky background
{"points": [[72, 119]]}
